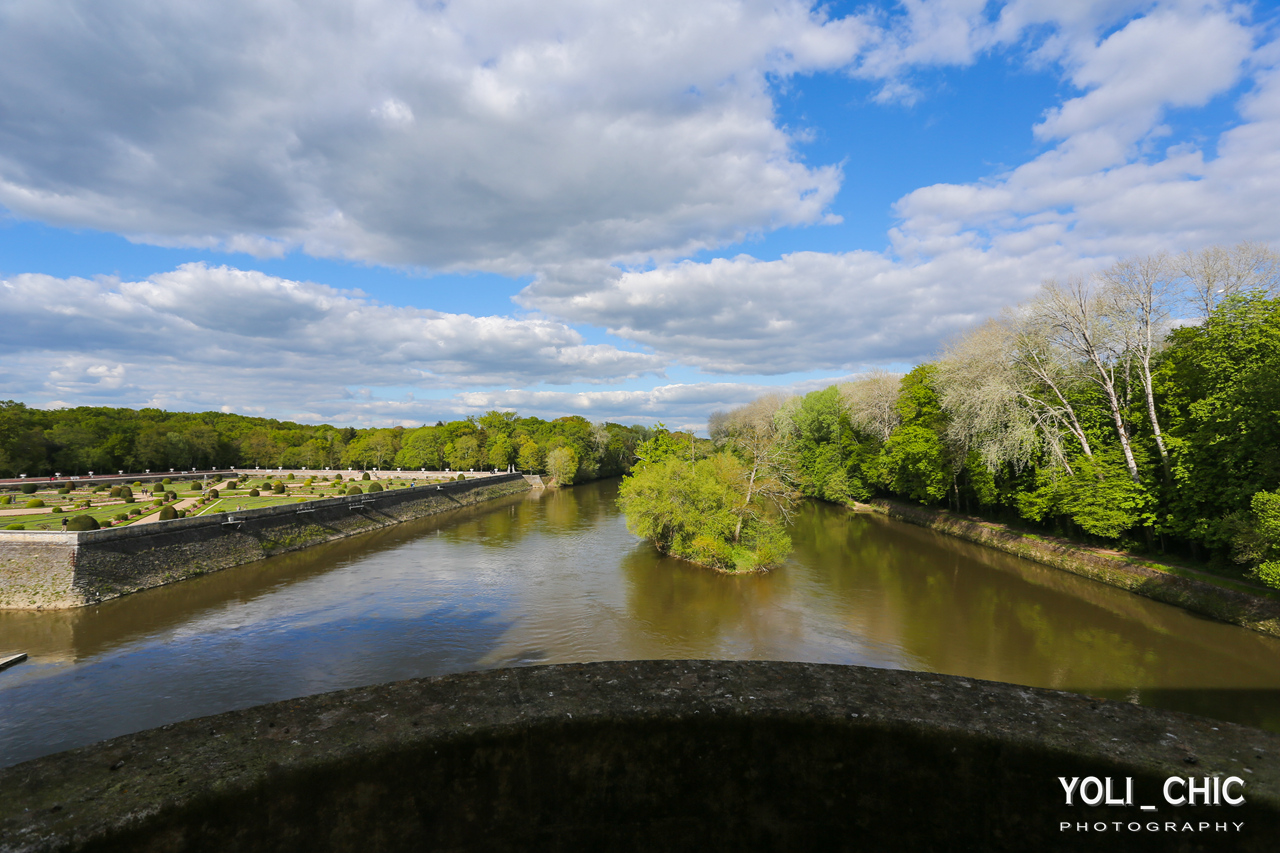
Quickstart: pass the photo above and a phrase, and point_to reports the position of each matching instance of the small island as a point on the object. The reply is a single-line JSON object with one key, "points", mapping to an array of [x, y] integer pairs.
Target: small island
{"points": [[725, 510]]}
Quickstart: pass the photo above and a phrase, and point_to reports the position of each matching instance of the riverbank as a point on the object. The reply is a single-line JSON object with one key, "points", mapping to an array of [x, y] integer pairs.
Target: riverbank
{"points": [[53, 570], [1219, 598]]}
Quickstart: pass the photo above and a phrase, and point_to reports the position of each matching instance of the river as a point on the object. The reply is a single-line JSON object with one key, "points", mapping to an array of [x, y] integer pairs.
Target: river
{"points": [[555, 577]]}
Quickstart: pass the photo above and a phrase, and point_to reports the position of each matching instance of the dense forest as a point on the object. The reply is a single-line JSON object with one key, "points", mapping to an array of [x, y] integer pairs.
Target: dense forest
{"points": [[78, 440], [1139, 408]]}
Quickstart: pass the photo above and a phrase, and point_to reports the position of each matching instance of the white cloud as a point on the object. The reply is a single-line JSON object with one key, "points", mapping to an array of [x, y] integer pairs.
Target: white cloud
{"points": [[490, 134], [805, 311], [208, 337]]}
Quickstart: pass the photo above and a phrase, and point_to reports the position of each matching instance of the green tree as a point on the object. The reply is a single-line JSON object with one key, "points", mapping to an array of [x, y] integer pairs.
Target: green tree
{"points": [[420, 449], [696, 512], [465, 453], [562, 464], [500, 451], [531, 456]]}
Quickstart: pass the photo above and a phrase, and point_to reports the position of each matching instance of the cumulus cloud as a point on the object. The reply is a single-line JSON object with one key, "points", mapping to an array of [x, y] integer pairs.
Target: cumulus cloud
{"points": [[590, 144], [804, 311], [1103, 190], [202, 336], [490, 134]]}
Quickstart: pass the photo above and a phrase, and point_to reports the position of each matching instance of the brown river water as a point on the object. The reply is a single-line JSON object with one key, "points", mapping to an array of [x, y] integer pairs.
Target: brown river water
{"points": [[555, 577]]}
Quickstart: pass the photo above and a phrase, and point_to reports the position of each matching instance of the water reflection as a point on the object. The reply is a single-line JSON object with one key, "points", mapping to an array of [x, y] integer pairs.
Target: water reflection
{"points": [[555, 577]]}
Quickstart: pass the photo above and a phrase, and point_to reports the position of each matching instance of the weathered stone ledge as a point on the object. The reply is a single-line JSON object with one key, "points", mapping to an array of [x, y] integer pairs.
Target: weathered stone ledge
{"points": [[1256, 611], [651, 755]]}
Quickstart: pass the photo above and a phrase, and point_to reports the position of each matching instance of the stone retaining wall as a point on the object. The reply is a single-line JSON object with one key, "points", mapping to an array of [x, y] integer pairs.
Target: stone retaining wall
{"points": [[58, 570]]}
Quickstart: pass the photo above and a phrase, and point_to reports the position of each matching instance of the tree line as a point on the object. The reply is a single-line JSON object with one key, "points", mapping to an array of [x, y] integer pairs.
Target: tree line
{"points": [[1139, 407], [75, 441]]}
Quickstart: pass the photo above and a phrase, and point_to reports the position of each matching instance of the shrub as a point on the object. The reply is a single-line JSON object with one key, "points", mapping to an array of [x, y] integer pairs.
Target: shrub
{"points": [[374, 487], [308, 482], [279, 488], [57, 510], [65, 490], [355, 490], [28, 488], [166, 481], [168, 513], [83, 522], [35, 503], [364, 476], [253, 493], [121, 516], [290, 477], [129, 499], [6, 499], [195, 487], [137, 484], [182, 513], [337, 478], [16, 527], [214, 493], [171, 496], [115, 492], [135, 511], [461, 477]]}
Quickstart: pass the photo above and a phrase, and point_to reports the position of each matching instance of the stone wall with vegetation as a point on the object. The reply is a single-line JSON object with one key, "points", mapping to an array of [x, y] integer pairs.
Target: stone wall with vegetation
{"points": [[59, 570]]}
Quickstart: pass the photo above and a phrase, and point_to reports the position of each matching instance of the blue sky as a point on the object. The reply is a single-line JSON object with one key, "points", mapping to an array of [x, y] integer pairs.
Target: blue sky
{"points": [[394, 212]]}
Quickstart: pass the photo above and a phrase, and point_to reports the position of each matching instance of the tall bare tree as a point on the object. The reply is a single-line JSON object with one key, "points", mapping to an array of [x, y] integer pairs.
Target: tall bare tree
{"points": [[1138, 295], [756, 431], [1215, 273], [1078, 322], [1008, 389], [872, 402]]}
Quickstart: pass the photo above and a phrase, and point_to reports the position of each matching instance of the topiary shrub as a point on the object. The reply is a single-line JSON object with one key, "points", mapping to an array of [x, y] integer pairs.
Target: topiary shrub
{"points": [[28, 488], [65, 490], [461, 477], [16, 527], [364, 476], [137, 484], [168, 513], [374, 487], [279, 488], [214, 493], [35, 503], [166, 481], [355, 490], [134, 512], [290, 477], [57, 510], [121, 516], [115, 492], [253, 493], [6, 499], [83, 522]]}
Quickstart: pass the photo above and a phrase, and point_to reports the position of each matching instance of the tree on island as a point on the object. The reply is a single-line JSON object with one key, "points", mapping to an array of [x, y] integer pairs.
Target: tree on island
{"points": [[723, 511]]}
